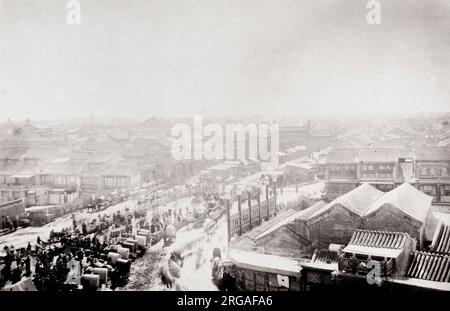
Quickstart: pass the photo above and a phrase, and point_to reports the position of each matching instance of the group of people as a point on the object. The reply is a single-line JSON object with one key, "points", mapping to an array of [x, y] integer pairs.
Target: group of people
{"points": [[58, 257], [9, 224], [51, 262], [16, 264]]}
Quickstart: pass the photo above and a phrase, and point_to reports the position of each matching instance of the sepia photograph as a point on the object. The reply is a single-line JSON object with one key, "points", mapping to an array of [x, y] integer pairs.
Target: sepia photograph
{"points": [[225, 146]]}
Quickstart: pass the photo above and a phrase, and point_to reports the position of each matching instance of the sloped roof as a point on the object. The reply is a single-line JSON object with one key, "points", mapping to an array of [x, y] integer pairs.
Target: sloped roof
{"points": [[357, 201], [283, 219], [378, 155], [342, 156], [428, 266], [307, 212], [325, 256], [266, 227], [407, 199], [323, 260], [377, 243], [441, 243], [383, 239]]}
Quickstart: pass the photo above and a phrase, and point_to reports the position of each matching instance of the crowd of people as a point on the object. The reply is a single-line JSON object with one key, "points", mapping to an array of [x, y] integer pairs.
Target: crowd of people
{"points": [[73, 251], [51, 264]]}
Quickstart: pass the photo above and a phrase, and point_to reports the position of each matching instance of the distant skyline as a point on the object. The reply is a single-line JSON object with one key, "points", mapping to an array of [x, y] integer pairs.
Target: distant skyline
{"points": [[175, 58]]}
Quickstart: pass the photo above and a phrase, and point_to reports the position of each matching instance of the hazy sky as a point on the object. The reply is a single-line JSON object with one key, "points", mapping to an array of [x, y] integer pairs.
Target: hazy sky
{"points": [[182, 57]]}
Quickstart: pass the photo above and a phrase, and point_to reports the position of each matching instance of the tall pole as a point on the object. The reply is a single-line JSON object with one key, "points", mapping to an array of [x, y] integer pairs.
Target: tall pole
{"points": [[249, 208], [228, 221], [275, 196], [259, 204], [267, 202], [240, 214]]}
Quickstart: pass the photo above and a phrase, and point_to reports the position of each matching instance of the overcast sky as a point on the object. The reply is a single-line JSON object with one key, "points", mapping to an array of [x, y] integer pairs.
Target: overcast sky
{"points": [[146, 58]]}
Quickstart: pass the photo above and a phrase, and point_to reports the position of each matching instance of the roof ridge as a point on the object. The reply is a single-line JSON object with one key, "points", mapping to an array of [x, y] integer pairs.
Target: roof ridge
{"points": [[428, 253], [379, 231]]}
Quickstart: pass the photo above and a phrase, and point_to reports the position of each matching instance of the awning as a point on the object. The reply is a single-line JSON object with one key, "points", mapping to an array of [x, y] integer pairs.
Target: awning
{"points": [[373, 251], [22, 176]]}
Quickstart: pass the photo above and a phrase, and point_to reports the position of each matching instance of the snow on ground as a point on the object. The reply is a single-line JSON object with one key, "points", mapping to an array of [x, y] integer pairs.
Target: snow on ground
{"points": [[196, 273], [290, 194], [194, 243], [22, 236], [197, 248]]}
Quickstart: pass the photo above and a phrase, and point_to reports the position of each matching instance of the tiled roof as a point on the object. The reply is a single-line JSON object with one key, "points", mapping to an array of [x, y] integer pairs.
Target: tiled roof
{"points": [[383, 239], [441, 244], [406, 198], [378, 155], [428, 266], [342, 156], [324, 256]]}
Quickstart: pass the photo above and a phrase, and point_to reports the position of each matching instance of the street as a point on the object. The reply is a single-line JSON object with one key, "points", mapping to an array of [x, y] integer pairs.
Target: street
{"points": [[197, 249]]}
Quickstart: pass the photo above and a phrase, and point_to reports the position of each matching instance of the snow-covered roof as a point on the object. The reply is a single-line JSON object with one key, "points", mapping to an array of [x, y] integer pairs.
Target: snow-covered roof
{"points": [[287, 218], [407, 199], [266, 263], [357, 201]]}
